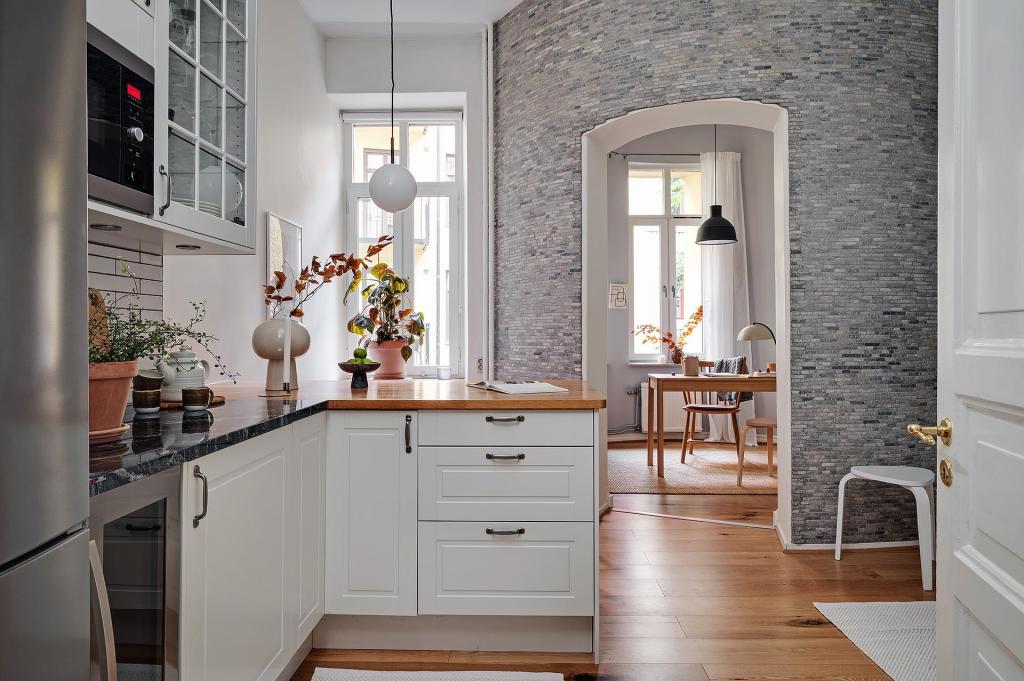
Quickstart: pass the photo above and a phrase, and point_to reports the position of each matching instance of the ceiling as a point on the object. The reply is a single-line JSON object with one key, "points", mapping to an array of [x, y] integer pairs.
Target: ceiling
{"points": [[369, 18]]}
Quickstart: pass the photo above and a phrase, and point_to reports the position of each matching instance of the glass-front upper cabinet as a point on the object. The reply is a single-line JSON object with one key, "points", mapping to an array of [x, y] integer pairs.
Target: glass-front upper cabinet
{"points": [[205, 124]]}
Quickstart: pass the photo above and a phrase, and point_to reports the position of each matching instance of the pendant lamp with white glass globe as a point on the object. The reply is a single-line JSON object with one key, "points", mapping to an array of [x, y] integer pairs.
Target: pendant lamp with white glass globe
{"points": [[392, 187]]}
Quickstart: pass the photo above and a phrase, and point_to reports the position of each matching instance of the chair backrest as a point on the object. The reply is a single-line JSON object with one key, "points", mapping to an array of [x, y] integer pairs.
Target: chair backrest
{"points": [[702, 397]]}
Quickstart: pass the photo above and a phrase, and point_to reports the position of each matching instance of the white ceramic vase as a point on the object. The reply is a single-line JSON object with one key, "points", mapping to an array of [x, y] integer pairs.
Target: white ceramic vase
{"points": [[268, 343]]}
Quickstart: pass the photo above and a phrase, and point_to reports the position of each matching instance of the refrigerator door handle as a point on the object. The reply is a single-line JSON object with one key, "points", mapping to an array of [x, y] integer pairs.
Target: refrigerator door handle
{"points": [[102, 622]]}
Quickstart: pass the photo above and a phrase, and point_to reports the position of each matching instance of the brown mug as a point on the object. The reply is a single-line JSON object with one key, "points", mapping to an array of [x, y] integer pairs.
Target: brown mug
{"points": [[146, 401], [196, 399]]}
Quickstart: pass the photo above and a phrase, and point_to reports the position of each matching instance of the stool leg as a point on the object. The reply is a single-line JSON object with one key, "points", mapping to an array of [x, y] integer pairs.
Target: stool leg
{"points": [[839, 513], [771, 451], [741, 453], [686, 436], [924, 533]]}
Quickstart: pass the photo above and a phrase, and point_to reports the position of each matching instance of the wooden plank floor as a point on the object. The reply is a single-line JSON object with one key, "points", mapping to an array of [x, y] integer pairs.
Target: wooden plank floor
{"points": [[689, 601]]}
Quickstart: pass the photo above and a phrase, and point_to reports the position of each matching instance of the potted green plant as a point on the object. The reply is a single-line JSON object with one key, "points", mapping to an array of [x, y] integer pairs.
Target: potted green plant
{"points": [[120, 335], [386, 324]]}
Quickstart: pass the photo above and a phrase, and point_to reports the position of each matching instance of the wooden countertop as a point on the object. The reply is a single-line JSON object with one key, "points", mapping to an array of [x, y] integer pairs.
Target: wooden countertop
{"points": [[424, 394]]}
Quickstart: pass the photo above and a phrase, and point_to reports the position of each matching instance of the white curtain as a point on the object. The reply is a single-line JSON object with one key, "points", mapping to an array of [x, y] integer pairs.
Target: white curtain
{"points": [[724, 278]]}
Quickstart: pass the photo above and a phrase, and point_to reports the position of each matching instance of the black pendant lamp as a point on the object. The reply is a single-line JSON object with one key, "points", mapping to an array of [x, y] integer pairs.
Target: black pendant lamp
{"points": [[716, 230]]}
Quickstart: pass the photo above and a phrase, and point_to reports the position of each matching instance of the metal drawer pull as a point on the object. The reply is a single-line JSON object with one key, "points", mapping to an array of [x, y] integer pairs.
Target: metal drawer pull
{"points": [[408, 434], [142, 528], [206, 496], [506, 419], [168, 185], [505, 533], [504, 457]]}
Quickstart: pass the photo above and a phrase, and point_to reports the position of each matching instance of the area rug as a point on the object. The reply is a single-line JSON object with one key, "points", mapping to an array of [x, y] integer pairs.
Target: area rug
{"points": [[325, 674], [706, 471], [899, 637]]}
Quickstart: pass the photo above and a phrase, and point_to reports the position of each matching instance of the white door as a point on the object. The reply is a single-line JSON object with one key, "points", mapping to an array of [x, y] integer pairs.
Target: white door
{"points": [[981, 340], [234, 583], [371, 513]]}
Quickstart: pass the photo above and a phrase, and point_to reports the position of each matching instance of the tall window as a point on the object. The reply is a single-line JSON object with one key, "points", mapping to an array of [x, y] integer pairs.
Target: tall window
{"points": [[427, 245], [665, 262]]}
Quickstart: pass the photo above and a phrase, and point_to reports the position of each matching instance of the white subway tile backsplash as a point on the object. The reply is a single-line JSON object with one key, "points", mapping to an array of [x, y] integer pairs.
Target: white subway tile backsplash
{"points": [[144, 261]]}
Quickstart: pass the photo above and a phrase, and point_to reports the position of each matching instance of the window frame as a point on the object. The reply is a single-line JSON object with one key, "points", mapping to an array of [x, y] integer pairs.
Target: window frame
{"points": [[404, 222], [667, 223]]}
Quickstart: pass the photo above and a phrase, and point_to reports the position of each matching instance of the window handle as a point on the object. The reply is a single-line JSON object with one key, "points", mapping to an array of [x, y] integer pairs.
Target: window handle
{"points": [[674, 294]]}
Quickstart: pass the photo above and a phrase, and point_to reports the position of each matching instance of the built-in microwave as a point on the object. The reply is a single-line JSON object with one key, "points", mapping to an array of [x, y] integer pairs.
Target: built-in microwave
{"points": [[120, 105]]}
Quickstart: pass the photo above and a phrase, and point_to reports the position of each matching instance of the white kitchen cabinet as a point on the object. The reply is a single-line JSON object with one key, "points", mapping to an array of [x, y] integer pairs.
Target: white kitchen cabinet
{"points": [[204, 58], [371, 513], [127, 22], [305, 516], [234, 590]]}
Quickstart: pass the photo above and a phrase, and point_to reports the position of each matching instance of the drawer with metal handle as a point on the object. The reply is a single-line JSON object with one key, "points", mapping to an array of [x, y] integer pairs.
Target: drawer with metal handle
{"points": [[526, 428], [506, 483], [518, 568]]}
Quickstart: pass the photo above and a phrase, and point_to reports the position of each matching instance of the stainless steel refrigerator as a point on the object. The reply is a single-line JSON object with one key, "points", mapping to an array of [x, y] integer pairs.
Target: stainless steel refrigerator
{"points": [[44, 546]]}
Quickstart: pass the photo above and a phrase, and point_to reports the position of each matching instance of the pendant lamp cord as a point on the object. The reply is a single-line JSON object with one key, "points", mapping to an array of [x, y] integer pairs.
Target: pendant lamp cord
{"points": [[716, 161], [392, 7]]}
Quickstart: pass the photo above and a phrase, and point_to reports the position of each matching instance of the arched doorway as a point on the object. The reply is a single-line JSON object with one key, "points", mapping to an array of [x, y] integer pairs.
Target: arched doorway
{"points": [[596, 145]]}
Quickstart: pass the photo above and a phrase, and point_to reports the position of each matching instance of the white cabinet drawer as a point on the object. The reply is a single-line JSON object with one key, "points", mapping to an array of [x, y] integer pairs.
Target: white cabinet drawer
{"points": [[507, 428], [541, 569], [506, 483]]}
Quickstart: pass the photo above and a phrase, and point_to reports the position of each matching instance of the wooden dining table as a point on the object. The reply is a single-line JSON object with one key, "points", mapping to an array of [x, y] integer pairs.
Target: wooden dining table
{"points": [[659, 384]]}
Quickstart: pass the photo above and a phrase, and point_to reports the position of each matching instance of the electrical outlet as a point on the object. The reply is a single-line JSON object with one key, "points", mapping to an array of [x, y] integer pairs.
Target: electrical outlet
{"points": [[479, 363]]}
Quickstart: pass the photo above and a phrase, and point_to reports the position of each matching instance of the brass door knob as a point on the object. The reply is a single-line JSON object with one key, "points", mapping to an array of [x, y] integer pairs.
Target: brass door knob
{"points": [[926, 434], [946, 472]]}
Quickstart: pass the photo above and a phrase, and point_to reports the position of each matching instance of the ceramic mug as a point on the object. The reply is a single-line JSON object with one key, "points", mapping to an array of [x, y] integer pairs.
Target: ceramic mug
{"points": [[146, 401], [691, 365], [196, 399]]}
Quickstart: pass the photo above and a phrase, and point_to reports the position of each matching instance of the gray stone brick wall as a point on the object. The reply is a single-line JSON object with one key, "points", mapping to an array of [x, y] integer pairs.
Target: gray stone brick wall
{"points": [[859, 79]]}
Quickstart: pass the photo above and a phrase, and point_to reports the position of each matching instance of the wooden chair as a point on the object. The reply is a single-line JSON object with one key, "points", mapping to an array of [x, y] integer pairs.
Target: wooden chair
{"points": [[697, 404], [770, 426]]}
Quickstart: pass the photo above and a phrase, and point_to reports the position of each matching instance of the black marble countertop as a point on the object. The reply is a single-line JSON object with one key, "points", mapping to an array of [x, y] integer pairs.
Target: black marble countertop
{"points": [[156, 442]]}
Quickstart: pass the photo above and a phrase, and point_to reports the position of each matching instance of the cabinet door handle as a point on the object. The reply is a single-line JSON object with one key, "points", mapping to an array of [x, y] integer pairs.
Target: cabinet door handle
{"points": [[142, 528], [168, 184], [505, 533], [504, 457], [206, 496], [505, 419], [408, 434], [103, 623]]}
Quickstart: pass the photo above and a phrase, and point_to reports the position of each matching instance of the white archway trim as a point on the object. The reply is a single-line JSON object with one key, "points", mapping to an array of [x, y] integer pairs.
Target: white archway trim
{"points": [[613, 134]]}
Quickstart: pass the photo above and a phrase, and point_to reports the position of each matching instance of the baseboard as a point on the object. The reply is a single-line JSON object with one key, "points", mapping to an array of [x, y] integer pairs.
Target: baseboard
{"points": [[790, 547], [605, 507], [456, 632], [297, 659]]}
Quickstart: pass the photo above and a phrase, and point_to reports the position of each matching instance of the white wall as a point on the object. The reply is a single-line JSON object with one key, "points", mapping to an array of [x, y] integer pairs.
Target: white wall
{"points": [[298, 177], [438, 72], [757, 161]]}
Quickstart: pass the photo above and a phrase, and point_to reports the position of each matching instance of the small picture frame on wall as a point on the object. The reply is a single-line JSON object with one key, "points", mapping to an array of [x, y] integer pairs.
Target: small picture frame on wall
{"points": [[284, 247], [617, 298]]}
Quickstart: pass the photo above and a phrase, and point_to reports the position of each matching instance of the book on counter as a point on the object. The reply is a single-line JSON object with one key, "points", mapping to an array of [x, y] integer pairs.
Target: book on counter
{"points": [[518, 387]]}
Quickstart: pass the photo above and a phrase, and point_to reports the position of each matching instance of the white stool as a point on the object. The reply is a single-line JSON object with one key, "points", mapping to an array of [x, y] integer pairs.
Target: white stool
{"points": [[919, 482]]}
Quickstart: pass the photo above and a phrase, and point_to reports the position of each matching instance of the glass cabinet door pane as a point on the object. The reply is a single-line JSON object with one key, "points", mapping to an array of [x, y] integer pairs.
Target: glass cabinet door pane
{"points": [[234, 68], [236, 14], [211, 30], [181, 96], [234, 194], [432, 152], [182, 25], [181, 155], [210, 111], [208, 199], [235, 128]]}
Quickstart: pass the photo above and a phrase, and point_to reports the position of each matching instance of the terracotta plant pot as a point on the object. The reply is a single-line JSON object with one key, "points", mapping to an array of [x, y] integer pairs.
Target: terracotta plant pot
{"points": [[110, 383], [389, 354]]}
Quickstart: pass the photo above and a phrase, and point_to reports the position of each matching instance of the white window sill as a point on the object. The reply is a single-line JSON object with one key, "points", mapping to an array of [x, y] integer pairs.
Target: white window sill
{"points": [[639, 363]]}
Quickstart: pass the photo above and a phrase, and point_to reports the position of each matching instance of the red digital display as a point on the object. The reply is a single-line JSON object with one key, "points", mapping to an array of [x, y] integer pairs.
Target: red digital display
{"points": [[134, 92]]}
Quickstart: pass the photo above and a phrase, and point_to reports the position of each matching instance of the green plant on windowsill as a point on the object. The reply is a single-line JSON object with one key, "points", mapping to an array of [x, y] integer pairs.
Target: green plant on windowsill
{"points": [[386, 321]]}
